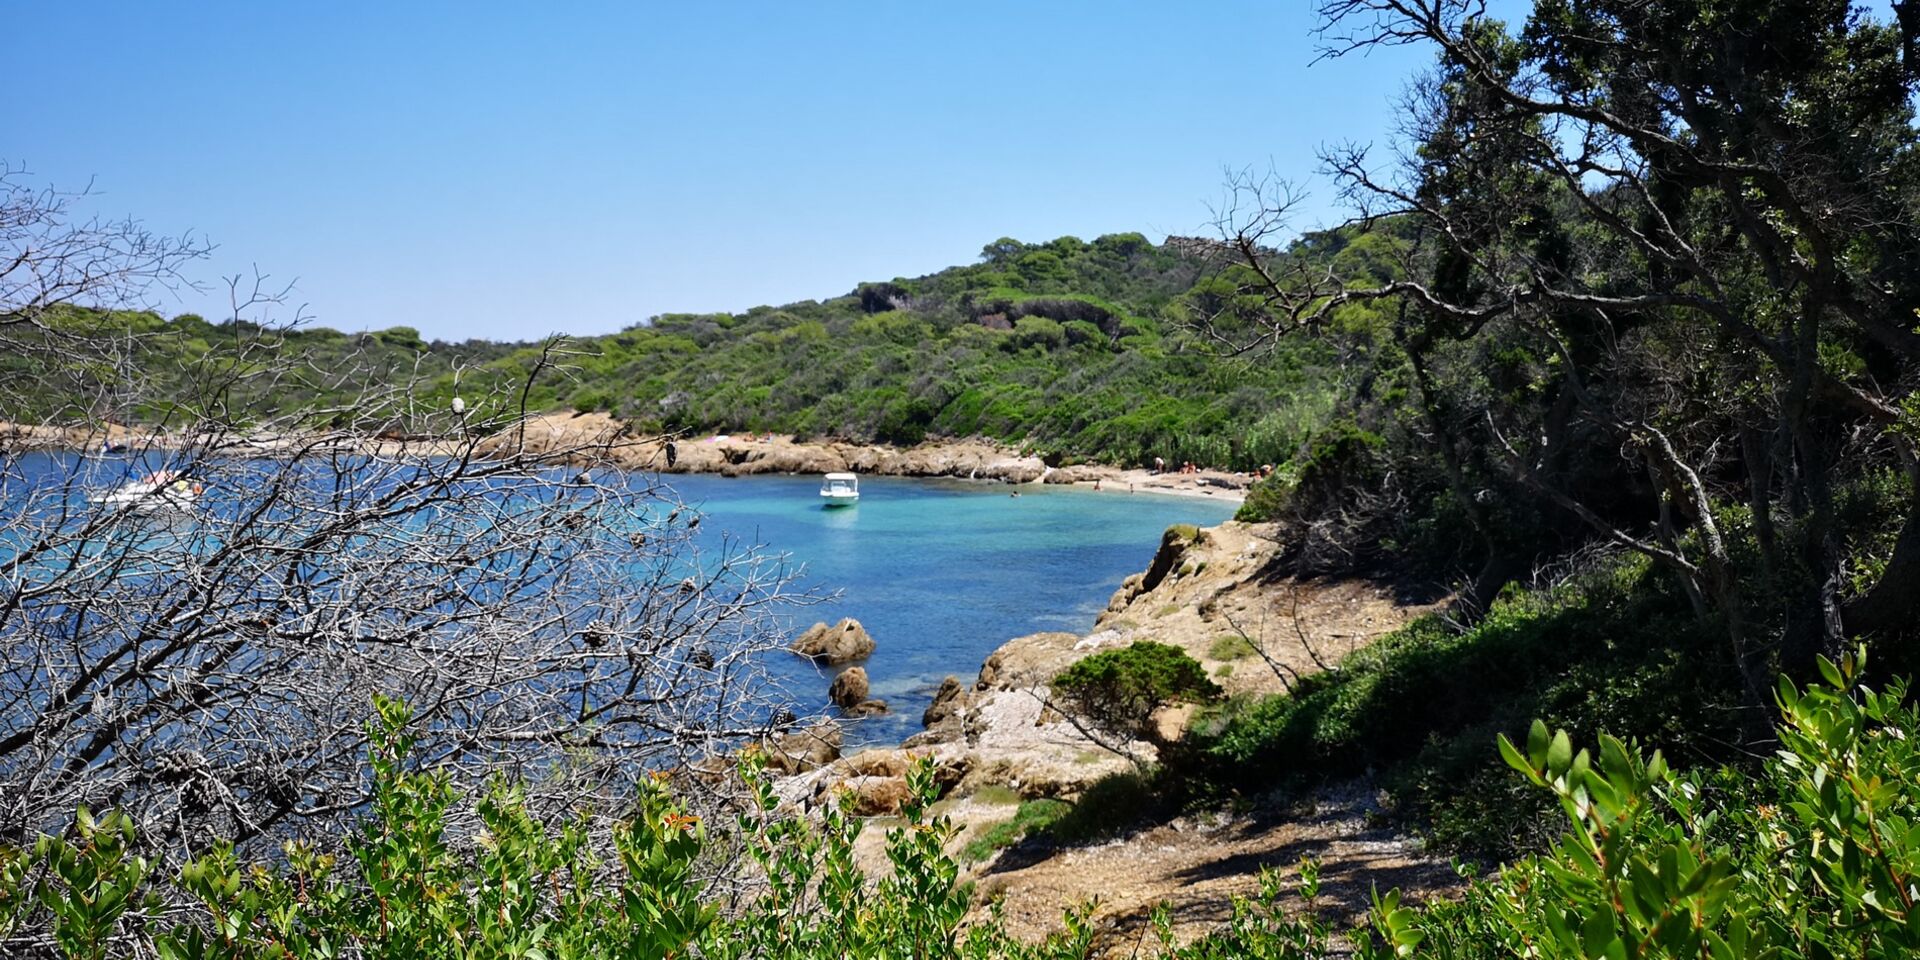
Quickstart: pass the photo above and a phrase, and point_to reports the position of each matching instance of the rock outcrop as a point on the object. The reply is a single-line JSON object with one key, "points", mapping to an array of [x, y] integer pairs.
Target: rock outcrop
{"points": [[945, 705], [874, 796], [849, 688], [844, 642], [805, 750], [1199, 584]]}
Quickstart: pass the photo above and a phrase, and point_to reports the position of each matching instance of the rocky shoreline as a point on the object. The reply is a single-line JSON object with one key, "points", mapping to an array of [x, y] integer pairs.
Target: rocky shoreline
{"points": [[1203, 590], [995, 742], [955, 458], [606, 438]]}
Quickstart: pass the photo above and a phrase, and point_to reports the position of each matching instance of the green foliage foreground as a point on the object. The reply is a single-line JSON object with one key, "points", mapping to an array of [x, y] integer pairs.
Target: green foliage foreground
{"points": [[1817, 856]]}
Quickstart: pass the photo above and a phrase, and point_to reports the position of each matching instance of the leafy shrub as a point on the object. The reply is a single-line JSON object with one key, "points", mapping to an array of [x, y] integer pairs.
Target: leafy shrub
{"points": [[1614, 648], [1813, 858], [1266, 498], [1119, 690]]}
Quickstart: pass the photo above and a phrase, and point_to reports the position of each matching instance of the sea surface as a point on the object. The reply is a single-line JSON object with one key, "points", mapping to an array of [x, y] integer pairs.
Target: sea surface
{"points": [[942, 572]]}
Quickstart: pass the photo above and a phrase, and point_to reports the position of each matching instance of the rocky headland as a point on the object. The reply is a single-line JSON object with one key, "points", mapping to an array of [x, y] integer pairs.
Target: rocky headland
{"points": [[995, 741]]}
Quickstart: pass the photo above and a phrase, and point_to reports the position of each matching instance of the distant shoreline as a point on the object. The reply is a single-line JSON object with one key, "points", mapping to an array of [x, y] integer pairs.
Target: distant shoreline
{"points": [[723, 455], [961, 458]]}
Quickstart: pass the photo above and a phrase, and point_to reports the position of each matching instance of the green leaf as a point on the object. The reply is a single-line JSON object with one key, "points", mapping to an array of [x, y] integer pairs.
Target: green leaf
{"points": [[1560, 753]]}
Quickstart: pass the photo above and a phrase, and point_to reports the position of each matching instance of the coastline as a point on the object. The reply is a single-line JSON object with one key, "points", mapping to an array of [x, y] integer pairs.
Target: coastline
{"points": [[597, 436], [995, 741], [958, 458]]}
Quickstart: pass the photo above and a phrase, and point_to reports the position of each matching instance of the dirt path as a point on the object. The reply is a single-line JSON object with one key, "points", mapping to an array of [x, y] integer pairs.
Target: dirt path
{"points": [[1197, 865]]}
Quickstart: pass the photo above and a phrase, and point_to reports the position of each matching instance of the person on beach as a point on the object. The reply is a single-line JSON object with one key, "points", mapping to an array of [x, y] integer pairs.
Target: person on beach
{"points": [[1159, 465]]}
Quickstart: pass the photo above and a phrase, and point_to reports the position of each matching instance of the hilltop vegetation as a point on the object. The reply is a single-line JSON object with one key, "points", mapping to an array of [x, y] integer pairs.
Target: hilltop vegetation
{"points": [[1081, 350]]}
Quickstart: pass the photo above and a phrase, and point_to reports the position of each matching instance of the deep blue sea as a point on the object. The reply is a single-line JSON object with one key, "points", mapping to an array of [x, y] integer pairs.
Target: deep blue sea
{"points": [[941, 572]]}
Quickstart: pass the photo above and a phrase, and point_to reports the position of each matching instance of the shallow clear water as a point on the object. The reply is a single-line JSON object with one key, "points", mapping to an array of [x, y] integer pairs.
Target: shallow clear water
{"points": [[943, 572]]}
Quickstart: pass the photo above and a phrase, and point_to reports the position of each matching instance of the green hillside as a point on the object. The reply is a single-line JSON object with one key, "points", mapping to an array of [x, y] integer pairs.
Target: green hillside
{"points": [[1081, 350]]}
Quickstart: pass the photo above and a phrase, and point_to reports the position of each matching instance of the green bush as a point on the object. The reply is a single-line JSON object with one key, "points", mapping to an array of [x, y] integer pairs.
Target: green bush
{"points": [[1119, 690], [1614, 648], [1266, 498], [1816, 857], [522, 888]]}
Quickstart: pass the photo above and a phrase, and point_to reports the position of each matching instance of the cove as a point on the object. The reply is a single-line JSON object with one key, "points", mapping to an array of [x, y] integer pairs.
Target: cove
{"points": [[941, 572]]}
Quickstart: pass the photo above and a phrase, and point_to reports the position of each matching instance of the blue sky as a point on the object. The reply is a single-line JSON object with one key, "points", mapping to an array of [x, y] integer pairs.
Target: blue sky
{"points": [[509, 170]]}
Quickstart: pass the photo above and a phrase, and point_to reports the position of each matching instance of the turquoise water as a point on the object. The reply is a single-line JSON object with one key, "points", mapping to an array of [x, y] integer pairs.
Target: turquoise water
{"points": [[942, 572]]}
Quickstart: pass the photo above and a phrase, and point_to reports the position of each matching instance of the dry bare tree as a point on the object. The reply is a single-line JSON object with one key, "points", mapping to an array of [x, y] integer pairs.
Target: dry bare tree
{"points": [[203, 654]]}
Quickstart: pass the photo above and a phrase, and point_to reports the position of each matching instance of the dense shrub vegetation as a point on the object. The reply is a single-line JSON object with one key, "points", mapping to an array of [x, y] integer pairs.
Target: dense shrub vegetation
{"points": [[1651, 282], [1118, 691], [1611, 648], [1815, 857], [1077, 349]]}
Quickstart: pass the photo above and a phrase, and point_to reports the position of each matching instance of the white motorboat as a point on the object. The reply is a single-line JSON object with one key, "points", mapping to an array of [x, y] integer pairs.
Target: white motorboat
{"points": [[163, 491], [840, 490]]}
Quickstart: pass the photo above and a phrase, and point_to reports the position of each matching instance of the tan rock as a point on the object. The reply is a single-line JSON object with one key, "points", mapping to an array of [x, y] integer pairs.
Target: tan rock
{"points": [[873, 796], [877, 763], [844, 642], [849, 688], [867, 708], [946, 702], [804, 750]]}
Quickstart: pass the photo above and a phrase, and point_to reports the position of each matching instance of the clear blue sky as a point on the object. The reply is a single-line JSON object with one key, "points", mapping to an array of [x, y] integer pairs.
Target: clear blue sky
{"points": [[509, 170]]}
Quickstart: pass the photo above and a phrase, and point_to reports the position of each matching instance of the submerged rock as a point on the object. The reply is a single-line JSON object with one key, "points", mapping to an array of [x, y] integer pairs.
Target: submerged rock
{"points": [[844, 642], [867, 708]]}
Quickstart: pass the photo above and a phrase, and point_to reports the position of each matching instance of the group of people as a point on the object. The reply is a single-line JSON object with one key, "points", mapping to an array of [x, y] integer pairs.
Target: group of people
{"points": [[1188, 466]]}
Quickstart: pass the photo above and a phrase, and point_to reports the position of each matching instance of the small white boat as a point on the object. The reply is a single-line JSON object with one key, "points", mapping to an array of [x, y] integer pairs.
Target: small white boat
{"points": [[840, 490], [162, 491]]}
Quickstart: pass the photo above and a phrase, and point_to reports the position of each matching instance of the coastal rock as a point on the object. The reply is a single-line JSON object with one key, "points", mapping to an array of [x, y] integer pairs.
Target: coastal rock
{"points": [[804, 750], [849, 689], [1029, 661], [1173, 549], [945, 702], [867, 708], [871, 776], [1129, 588], [872, 796], [877, 763], [844, 642]]}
